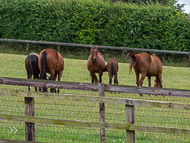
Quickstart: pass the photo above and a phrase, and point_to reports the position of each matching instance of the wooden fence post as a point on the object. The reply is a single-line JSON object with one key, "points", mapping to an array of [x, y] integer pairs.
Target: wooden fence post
{"points": [[29, 111], [101, 89], [59, 48], [27, 48], [130, 119]]}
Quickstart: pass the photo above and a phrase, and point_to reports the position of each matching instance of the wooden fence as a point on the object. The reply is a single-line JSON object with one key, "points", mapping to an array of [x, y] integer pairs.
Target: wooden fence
{"points": [[129, 126], [88, 46]]}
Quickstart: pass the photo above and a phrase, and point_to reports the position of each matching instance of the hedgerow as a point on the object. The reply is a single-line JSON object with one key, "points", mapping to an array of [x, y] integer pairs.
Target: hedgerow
{"points": [[152, 26]]}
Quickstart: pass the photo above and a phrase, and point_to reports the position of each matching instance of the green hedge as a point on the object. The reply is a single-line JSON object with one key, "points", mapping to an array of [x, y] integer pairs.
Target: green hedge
{"points": [[96, 22]]}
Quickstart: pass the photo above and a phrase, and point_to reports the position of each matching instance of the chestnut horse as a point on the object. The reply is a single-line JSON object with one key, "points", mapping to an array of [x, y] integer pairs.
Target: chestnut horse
{"points": [[52, 62], [96, 64], [147, 65], [31, 65], [112, 68]]}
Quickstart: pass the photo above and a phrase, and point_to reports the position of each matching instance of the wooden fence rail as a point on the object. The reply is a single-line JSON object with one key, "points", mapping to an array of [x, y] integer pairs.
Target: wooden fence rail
{"points": [[88, 46], [13, 141], [94, 87], [73, 97], [126, 126], [130, 104]]}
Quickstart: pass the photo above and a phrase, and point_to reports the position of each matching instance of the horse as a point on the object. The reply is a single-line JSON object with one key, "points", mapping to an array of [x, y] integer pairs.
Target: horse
{"points": [[147, 65], [96, 64], [52, 62], [112, 68], [31, 65]]}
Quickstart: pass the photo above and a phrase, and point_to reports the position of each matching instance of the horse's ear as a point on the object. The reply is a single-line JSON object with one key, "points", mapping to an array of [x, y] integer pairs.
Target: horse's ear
{"points": [[97, 47], [129, 54], [133, 52], [91, 47]]}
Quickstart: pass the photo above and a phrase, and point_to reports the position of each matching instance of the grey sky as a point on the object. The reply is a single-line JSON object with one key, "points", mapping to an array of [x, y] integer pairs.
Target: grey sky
{"points": [[187, 5]]}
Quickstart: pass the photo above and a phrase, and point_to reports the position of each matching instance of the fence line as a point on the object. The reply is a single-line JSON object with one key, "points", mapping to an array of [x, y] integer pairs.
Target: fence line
{"points": [[126, 126], [130, 104], [87, 46], [94, 87], [112, 100], [13, 141]]}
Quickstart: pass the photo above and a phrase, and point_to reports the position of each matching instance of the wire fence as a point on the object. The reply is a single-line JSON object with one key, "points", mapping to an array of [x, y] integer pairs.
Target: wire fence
{"points": [[119, 51], [89, 111]]}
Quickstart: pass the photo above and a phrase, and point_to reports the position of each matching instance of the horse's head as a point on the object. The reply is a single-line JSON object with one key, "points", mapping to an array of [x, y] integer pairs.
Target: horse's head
{"points": [[94, 53]]}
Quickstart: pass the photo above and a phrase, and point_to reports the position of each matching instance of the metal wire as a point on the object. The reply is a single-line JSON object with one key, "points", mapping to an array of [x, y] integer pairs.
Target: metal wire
{"points": [[86, 111]]}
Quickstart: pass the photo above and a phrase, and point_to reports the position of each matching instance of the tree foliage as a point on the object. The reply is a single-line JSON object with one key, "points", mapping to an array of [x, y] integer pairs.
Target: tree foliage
{"points": [[96, 22]]}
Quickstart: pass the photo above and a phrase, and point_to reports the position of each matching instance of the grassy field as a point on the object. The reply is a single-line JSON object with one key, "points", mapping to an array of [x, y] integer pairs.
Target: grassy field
{"points": [[12, 65]]}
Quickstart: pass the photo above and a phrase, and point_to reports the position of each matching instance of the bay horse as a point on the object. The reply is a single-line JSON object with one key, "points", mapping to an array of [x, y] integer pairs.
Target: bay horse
{"points": [[31, 65], [112, 68], [52, 62], [147, 65], [96, 64]]}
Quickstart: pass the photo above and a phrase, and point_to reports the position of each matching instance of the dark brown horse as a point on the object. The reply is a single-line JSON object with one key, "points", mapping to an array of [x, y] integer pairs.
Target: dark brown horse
{"points": [[147, 65], [52, 62], [31, 65], [96, 64], [112, 68]]}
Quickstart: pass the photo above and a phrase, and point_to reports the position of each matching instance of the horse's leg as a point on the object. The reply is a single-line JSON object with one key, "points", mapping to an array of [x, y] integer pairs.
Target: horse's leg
{"points": [[28, 77], [94, 78], [52, 77], [160, 79], [38, 78], [100, 76], [59, 78], [149, 82], [115, 79], [137, 78], [141, 80], [34, 77], [110, 78]]}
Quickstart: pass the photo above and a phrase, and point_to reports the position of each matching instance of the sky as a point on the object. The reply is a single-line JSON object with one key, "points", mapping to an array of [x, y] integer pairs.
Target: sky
{"points": [[187, 5]]}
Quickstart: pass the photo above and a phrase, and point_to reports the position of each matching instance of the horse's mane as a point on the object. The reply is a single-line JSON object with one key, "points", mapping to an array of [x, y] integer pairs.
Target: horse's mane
{"points": [[132, 59], [100, 54]]}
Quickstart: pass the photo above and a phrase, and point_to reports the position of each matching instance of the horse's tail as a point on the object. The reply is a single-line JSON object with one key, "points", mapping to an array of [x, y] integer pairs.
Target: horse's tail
{"points": [[43, 65], [28, 65], [112, 69], [132, 59]]}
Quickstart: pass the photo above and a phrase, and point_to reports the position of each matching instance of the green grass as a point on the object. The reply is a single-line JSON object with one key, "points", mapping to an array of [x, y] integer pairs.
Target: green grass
{"points": [[12, 65]]}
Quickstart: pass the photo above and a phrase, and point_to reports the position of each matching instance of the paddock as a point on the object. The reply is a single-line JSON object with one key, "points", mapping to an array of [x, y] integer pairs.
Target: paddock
{"points": [[173, 78]]}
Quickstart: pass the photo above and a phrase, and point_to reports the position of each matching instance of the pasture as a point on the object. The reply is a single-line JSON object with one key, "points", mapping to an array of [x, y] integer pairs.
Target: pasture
{"points": [[76, 71]]}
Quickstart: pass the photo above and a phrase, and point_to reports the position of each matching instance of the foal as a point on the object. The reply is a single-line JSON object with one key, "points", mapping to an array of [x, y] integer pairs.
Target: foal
{"points": [[112, 68]]}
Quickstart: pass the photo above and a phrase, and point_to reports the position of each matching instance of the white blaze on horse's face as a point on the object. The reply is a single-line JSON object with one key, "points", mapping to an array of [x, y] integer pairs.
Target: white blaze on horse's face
{"points": [[94, 53]]}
